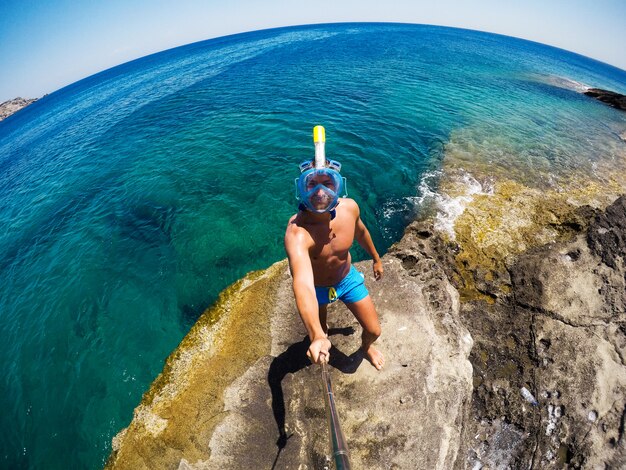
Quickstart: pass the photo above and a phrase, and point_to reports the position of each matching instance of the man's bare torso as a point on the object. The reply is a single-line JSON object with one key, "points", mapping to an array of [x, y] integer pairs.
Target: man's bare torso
{"points": [[328, 243]]}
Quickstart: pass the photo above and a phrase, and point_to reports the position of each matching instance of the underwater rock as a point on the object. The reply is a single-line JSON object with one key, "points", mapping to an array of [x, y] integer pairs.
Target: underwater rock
{"points": [[611, 98]]}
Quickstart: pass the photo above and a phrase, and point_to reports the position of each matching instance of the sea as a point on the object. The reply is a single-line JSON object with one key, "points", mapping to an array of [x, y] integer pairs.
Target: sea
{"points": [[130, 199]]}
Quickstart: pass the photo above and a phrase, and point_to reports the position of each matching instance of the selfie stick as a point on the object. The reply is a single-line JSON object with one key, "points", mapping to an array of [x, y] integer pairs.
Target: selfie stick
{"points": [[338, 444]]}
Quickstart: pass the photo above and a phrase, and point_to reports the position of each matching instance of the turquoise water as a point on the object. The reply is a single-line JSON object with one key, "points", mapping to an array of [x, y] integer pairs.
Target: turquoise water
{"points": [[128, 200]]}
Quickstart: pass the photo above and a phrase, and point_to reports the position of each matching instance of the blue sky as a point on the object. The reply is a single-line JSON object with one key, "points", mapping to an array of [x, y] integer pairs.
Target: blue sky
{"points": [[45, 45]]}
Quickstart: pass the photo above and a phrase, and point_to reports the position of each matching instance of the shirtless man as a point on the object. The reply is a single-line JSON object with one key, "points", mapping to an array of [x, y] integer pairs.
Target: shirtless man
{"points": [[317, 241]]}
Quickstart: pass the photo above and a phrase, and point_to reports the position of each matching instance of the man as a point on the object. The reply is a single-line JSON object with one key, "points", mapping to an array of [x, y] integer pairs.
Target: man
{"points": [[317, 241]]}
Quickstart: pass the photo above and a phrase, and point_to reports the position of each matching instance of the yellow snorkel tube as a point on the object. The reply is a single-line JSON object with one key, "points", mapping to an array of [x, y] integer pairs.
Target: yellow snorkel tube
{"points": [[309, 169], [319, 139]]}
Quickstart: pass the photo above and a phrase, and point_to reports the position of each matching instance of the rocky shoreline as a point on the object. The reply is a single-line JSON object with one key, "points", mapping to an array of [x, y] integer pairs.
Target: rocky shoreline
{"points": [[13, 106], [271, 414], [611, 98], [558, 329], [527, 373]]}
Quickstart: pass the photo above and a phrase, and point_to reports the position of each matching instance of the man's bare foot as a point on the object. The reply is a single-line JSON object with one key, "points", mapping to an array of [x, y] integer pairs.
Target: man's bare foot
{"points": [[375, 357]]}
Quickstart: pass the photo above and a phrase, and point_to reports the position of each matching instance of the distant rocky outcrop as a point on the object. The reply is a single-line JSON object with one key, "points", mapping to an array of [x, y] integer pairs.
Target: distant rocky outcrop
{"points": [[529, 372], [609, 97], [12, 106]]}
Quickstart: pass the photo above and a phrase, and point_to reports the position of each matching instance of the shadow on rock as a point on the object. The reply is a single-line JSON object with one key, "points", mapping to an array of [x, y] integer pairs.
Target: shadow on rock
{"points": [[294, 359]]}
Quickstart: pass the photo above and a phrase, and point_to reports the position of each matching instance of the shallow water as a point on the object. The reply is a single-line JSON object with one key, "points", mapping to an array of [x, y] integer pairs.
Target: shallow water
{"points": [[130, 199]]}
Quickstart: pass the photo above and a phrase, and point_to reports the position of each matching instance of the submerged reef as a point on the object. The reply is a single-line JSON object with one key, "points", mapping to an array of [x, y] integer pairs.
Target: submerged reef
{"points": [[504, 348]]}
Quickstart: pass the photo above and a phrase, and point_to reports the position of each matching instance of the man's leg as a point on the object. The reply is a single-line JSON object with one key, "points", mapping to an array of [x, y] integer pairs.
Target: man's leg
{"points": [[323, 317], [365, 313]]}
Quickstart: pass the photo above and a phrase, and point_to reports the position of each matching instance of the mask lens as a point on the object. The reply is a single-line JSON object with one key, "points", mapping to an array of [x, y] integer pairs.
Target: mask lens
{"points": [[320, 178], [319, 189]]}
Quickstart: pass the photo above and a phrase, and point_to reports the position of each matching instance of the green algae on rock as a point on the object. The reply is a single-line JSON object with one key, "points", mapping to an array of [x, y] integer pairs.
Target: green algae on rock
{"points": [[558, 332], [545, 314], [546, 335]]}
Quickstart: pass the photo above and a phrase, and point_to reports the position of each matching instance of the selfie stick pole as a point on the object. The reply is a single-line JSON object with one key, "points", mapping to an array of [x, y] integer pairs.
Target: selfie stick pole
{"points": [[338, 444]]}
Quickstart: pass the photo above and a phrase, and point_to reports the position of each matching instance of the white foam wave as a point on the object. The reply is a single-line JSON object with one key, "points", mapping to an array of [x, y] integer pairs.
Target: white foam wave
{"points": [[564, 82], [448, 208], [444, 207]]}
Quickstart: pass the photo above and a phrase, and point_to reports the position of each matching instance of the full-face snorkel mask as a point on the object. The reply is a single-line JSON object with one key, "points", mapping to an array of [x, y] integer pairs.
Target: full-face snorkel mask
{"points": [[320, 184]]}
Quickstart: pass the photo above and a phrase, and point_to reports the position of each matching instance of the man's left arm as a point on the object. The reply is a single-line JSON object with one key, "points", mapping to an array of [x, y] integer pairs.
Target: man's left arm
{"points": [[364, 238]]}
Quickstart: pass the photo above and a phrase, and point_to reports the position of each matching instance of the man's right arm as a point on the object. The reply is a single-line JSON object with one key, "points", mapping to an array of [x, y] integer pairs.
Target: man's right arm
{"points": [[304, 292]]}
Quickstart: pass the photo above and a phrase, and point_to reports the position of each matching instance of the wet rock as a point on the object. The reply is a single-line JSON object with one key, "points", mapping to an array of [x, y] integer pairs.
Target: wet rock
{"points": [[498, 447], [611, 98], [607, 235]]}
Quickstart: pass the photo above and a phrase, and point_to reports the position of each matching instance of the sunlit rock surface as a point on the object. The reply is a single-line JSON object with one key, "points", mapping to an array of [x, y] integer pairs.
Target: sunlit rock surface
{"points": [[12, 106], [559, 331], [541, 317], [240, 393]]}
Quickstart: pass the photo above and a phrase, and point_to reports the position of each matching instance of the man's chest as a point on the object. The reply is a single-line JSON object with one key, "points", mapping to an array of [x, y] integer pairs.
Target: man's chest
{"points": [[331, 241]]}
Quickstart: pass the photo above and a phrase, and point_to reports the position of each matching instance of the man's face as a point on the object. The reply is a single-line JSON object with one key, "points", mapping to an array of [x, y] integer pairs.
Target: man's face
{"points": [[321, 199], [318, 189], [322, 179]]}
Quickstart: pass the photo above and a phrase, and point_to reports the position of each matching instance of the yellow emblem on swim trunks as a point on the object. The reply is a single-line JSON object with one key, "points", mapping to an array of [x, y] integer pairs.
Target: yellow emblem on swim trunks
{"points": [[332, 294]]}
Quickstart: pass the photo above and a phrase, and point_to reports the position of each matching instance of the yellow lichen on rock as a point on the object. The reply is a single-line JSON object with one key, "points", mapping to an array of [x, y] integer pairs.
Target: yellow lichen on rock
{"points": [[223, 343], [511, 219], [496, 204]]}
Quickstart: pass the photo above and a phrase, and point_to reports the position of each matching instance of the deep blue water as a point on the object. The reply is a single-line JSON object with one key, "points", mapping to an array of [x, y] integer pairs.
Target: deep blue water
{"points": [[128, 200]]}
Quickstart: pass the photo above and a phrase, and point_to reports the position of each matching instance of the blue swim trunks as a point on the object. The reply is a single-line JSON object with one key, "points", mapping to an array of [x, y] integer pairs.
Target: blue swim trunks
{"points": [[349, 290]]}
